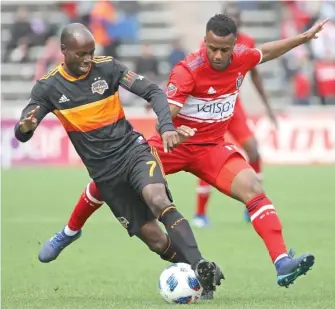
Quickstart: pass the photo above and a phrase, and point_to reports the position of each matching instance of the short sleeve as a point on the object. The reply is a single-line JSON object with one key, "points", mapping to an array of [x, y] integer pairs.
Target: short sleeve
{"points": [[248, 57], [38, 97], [179, 86], [253, 57]]}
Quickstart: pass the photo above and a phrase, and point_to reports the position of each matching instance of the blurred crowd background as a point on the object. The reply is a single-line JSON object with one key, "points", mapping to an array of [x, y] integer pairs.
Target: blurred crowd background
{"points": [[150, 37]]}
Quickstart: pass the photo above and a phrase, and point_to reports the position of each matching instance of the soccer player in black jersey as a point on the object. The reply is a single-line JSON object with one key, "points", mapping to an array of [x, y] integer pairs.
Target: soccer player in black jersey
{"points": [[83, 93]]}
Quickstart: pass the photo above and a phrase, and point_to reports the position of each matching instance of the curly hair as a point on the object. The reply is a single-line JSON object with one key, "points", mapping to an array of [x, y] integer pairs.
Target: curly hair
{"points": [[221, 25]]}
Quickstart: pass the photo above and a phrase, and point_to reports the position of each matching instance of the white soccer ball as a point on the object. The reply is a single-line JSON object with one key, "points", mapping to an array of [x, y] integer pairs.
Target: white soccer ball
{"points": [[179, 285]]}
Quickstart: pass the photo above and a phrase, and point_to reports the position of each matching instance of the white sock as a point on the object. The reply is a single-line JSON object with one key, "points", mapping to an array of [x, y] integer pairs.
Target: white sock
{"points": [[69, 232], [280, 257]]}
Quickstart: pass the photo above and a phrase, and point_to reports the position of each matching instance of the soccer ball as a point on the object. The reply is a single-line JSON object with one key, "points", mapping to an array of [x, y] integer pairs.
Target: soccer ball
{"points": [[179, 285]]}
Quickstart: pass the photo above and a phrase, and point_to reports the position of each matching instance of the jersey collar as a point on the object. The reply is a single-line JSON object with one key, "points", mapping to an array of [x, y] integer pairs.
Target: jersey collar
{"points": [[68, 76]]}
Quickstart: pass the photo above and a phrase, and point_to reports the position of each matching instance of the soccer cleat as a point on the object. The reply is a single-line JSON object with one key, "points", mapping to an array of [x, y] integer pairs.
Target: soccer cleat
{"points": [[205, 272], [290, 268], [53, 247], [209, 294], [201, 221], [246, 216]]}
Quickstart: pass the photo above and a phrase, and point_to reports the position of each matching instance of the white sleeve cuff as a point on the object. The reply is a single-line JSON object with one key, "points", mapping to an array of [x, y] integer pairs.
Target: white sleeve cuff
{"points": [[175, 103], [261, 55]]}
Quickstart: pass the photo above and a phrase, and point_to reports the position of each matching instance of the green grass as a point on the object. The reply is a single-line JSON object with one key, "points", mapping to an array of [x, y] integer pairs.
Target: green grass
{"points": [[107, 269]]}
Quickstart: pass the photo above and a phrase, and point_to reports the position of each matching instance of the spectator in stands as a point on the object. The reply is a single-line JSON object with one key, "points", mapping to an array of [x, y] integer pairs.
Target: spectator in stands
{"points": [[69, 8], [147, 64], [50, 57], [84, 9], [296, 62], [102, 16], [21, 36], [177, 54]]}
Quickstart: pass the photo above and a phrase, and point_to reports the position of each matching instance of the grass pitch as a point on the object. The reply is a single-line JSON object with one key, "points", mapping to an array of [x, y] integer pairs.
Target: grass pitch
{"points": [[107, 269]]}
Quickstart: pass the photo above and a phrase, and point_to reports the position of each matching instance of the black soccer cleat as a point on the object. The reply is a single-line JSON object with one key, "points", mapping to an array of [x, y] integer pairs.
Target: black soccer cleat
{"points": [[209, 294], [205, 272]]}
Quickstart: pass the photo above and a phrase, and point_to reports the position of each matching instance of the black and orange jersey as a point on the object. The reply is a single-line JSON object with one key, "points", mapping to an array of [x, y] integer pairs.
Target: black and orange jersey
{"points": [[90, 110]]}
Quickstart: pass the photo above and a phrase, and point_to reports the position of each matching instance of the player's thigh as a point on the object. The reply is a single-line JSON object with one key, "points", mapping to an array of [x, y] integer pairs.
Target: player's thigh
{"points": [[126, 205], [172, 162], [147, 178], [216, 166], [245, 184], [238, 125]]}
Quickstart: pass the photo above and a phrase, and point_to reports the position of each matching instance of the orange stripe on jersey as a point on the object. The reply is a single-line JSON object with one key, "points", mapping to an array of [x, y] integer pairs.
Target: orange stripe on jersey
{"points": [[91, 116]]}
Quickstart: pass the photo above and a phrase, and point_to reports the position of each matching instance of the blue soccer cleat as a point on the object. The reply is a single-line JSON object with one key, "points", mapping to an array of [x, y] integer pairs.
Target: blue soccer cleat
{"points": [[200, 221], [53, 247], [290, 268]]}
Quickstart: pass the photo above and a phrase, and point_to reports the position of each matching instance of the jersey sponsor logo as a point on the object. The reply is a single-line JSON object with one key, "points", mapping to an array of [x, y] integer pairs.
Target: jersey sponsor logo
{"points": [[239, 81], [100, 86], [171, 90], [217, 110], [124, 222]]}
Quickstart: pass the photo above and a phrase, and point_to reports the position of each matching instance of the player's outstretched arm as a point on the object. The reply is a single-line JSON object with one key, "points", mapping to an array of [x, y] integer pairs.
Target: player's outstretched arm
{"points": [[275, 49], [32, 114]]}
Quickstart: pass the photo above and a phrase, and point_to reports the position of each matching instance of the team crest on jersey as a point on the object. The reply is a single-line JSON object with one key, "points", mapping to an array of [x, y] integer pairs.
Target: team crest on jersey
{"points": [[100, 86], [171, 90], [239, 81]]}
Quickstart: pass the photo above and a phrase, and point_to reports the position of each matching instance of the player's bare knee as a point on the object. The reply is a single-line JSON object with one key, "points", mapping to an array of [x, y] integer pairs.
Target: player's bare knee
{"points": [[154, 237], [158, 243], [156, 197], [255, 188]]}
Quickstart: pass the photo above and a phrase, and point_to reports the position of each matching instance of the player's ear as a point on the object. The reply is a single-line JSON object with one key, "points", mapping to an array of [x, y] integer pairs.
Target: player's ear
{"points": [[63, 49]]}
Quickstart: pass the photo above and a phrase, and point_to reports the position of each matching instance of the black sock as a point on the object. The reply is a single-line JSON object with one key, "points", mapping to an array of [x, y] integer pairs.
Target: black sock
{"points": [[172, 254], [181, 234]]}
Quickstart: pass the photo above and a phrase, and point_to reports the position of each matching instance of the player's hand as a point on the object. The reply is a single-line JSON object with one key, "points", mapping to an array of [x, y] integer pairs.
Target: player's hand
{"points": [[312, 33], [30, 122], [185, 132], [170, 140]]}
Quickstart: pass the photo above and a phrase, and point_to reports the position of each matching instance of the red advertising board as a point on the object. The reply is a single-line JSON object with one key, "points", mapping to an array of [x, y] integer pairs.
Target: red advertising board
{"points": [[299, 140]]}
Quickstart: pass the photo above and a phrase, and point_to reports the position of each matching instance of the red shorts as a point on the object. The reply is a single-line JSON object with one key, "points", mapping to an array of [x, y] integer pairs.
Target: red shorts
{"points": [[208, 162], [238, 125]]}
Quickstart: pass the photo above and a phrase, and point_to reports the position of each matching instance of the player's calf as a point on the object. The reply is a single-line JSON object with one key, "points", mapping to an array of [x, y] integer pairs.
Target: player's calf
{"points": [[157, 241]]}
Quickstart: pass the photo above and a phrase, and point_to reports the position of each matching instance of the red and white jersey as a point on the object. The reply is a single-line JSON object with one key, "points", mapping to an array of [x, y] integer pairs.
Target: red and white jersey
{"points": [[206, 96], [245, 39]]}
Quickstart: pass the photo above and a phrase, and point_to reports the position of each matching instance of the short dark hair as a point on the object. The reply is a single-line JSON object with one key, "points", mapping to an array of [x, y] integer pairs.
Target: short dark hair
{"points": [[221, 25]]}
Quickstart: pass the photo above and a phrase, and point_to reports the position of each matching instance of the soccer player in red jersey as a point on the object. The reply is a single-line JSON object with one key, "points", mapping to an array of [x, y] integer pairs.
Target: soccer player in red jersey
{"points": [[238, 128], [202, 92]]}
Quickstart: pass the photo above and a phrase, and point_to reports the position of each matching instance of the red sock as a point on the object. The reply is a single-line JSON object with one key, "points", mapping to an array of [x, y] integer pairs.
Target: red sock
{"points": [[257, 166], [88, 203], [203, 193], [266, 223]]}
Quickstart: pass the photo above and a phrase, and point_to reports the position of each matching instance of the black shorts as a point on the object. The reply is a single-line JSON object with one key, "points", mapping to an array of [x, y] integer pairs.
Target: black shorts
{"points": [[123, 194]]}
